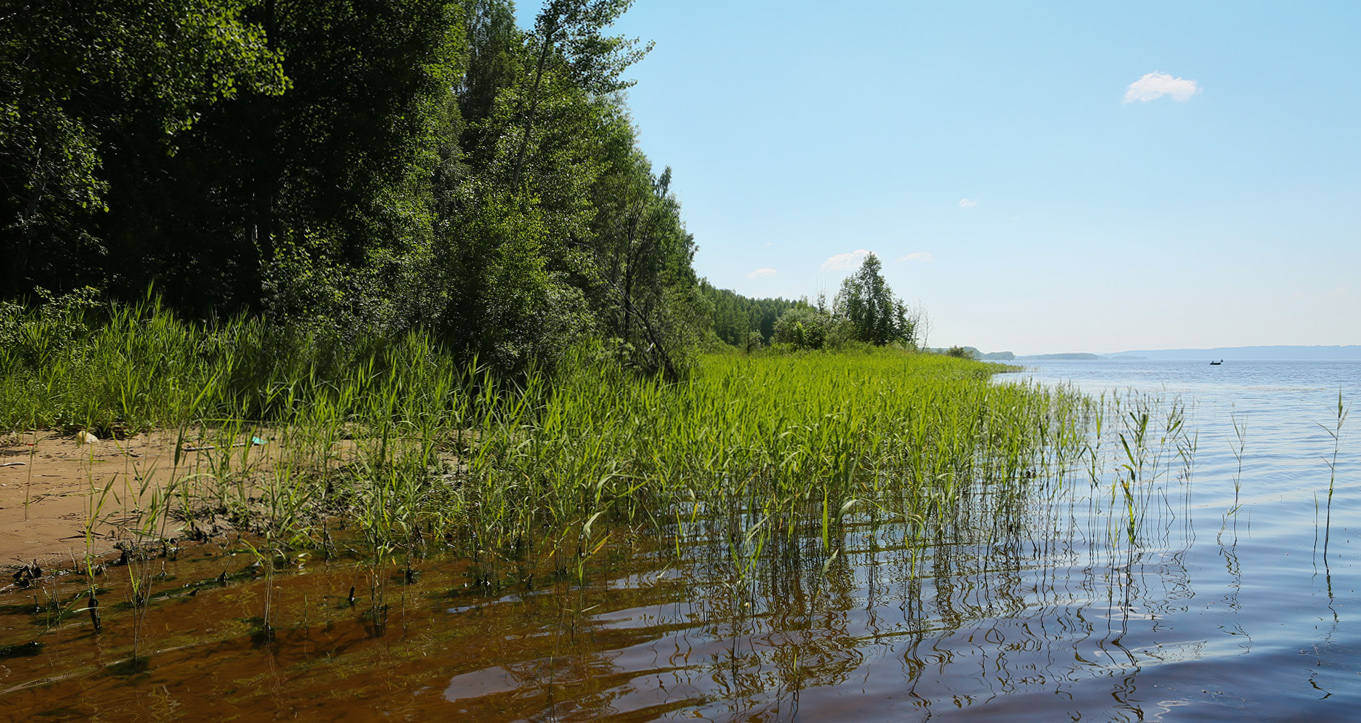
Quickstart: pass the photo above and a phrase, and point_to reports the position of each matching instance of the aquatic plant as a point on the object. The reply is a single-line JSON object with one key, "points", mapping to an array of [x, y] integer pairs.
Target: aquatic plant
{"points": [[287, 436], [1335, 433]]}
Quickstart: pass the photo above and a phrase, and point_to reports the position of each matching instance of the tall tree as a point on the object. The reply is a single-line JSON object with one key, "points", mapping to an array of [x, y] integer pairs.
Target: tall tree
{"points": [[866, 302], [493, 63], [82, 80], [649, 298], [570, 33], [349, 162], [317, 200], [603, 228]]}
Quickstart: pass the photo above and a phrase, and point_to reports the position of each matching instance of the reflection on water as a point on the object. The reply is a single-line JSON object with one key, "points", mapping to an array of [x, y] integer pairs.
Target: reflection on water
{"points": [[1145, 595]]}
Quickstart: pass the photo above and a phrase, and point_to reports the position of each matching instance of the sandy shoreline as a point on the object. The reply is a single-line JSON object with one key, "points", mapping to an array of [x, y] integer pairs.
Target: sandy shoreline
{"points": [[54, 489]]}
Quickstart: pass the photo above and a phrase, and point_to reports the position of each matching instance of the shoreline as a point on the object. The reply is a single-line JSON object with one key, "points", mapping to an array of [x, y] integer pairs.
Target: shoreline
{"points": [[54, 490]]}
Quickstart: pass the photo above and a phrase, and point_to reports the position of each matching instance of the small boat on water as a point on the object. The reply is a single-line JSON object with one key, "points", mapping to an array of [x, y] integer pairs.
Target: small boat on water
{"points": [[1216, 363]]}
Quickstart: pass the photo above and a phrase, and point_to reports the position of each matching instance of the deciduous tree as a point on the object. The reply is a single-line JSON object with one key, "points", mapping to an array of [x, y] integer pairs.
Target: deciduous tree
{"points": [[869, 306]]}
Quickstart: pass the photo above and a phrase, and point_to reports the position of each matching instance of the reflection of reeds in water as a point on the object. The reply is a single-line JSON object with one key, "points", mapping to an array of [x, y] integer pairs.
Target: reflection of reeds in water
{"points": [[958, 594], [996, 561], [831, 521]]}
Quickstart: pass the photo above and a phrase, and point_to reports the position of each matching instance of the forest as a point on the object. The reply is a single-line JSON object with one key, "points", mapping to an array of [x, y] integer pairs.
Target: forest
{"points": [[358, 168]]}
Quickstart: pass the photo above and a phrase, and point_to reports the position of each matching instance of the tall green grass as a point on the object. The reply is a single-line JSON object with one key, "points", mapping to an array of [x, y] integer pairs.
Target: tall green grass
{"points": [[815, 434], [397, 440], [111, 369]]}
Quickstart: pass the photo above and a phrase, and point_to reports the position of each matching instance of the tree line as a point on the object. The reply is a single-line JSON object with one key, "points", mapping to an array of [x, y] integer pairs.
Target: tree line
{"points": [[743, 322], [355, 166]]}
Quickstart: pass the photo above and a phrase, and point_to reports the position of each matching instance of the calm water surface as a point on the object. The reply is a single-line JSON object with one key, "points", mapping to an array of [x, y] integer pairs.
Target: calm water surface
{"points": [[1234, 597], [1250, 620]]}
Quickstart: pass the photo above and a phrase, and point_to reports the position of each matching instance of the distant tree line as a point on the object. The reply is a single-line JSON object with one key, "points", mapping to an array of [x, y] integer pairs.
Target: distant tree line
{"points": [[865, 310], [744, 322], [361, 167]]}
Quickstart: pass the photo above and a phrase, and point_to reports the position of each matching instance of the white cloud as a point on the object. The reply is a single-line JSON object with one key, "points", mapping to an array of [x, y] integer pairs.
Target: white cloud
{"points": [[1339, 292], [762, 273], [845, 261], [922, 256], [1156, 85], [967, 203]]}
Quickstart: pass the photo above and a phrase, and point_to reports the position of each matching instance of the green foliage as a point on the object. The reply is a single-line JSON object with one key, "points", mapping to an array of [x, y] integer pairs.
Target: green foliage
{"points": [[735, 317], [355, 169], [872, 311], [439, 445], [341, 165], [493, 62], [805, 327], [499, 300], [35, 338], [571, 32], [645, 288], [80, 82], [755, 341], [334, 179], [567, 41], [556, 149], [76, 363]]}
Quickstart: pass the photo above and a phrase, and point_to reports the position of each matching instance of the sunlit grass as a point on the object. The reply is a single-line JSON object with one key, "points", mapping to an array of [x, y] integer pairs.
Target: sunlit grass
{"points": [[396, 439]]}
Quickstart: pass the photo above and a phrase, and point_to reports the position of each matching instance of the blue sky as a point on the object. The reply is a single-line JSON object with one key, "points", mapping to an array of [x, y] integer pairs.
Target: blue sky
{"points": [[1039, 177]]}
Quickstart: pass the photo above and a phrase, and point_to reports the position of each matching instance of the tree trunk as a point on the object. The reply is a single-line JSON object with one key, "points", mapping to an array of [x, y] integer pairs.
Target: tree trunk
{"points": [[534, 100]]}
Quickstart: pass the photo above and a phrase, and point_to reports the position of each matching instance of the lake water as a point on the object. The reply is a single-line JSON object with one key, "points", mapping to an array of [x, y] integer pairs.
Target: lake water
{"points": [[1232, 597], [1246, 617]]}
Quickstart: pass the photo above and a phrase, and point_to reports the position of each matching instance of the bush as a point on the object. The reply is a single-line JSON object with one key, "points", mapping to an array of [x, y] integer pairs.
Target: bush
{"points": [[804, 328]]}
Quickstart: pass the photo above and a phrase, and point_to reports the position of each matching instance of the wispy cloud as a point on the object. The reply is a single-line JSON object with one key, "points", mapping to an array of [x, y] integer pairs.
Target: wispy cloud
{"points": [[1156, 85], [844, 261], [919, 256], [967, 203], [1339, 292], [762, 273]]}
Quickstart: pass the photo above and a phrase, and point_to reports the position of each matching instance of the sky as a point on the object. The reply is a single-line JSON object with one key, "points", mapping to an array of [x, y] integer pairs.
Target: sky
{"points": [[1037, 177]]}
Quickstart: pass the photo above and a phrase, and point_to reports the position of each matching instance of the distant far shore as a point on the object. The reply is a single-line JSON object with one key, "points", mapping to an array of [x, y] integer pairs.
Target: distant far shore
{"points": [[1227, 353]]}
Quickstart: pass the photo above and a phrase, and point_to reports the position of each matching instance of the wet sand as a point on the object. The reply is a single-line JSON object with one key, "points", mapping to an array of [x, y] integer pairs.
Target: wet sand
{"points": [[54, 489]]}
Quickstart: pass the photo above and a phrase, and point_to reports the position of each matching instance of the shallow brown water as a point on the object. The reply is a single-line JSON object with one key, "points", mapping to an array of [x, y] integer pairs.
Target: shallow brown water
{"points": [[883, 632], [1046, 607]]}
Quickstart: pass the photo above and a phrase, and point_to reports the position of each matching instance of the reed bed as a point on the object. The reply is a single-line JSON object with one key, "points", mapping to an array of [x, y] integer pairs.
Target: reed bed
{"points": [[395, 439], [778, 437], [765, 473]]}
